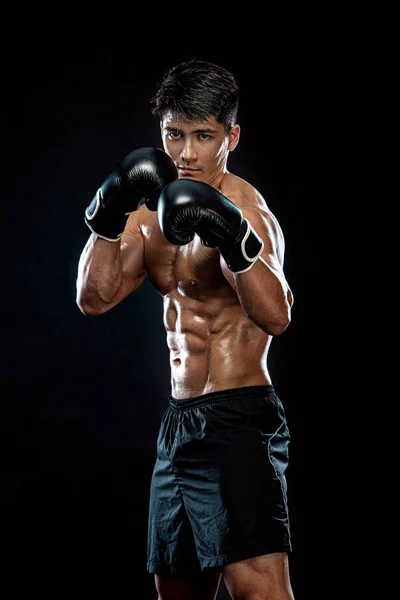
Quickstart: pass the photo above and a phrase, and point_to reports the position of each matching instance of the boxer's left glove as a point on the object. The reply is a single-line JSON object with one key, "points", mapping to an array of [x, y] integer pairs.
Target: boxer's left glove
{"points": [[186, 207], [137, 178]]}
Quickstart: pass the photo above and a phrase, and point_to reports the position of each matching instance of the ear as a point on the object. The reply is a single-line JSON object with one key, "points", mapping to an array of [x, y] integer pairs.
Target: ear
{"points": [[234, 136]]}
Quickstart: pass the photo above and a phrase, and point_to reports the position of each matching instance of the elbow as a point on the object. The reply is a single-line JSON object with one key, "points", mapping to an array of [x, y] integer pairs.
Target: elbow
{"points": [[278, 328], [89, 310], [275, 326]]}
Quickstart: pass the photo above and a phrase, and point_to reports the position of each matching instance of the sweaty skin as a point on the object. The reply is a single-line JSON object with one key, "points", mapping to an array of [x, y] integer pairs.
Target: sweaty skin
{"points": [[214, 342]]}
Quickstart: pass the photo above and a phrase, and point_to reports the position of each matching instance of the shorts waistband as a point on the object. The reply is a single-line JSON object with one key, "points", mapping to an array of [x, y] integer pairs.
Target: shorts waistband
{"points": [[212, 397]]}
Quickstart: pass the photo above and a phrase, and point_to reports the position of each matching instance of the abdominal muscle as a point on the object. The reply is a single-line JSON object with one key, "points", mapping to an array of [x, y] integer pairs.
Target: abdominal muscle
{"points": [[212, 348]]}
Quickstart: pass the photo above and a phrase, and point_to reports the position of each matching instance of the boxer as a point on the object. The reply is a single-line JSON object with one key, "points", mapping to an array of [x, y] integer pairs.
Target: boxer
{"points": [[208, 242]]}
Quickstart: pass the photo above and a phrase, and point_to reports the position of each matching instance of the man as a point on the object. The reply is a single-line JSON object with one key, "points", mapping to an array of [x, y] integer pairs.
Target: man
{"points": [[208, 242]]}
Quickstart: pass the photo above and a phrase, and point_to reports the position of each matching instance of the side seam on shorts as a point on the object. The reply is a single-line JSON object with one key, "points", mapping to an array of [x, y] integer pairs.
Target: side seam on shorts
{"points": [[284, 493]]}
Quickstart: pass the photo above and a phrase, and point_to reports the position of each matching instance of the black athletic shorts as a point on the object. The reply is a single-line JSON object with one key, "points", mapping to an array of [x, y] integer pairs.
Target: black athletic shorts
{"points": [[218, 490]]}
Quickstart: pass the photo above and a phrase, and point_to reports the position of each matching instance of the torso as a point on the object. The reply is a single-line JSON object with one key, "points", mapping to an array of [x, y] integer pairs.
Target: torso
{"points": [[213, 345]]}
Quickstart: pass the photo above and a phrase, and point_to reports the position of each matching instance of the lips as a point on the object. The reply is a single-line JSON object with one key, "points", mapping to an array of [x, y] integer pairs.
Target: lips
{"points": [[182, 172]]}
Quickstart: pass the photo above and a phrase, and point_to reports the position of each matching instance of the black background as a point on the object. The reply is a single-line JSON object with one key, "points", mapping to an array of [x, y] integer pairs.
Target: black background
{"points": [[83, 397]]}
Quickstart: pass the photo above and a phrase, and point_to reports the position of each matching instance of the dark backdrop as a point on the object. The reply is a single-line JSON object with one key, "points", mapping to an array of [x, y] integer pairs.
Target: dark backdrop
{"points": [[83, 397]]}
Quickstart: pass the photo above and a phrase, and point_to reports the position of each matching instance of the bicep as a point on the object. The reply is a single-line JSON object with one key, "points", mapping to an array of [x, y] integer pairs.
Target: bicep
{"points": [[132, 249], [132, 259], [273, 250], [132, 265], [269, 231]]}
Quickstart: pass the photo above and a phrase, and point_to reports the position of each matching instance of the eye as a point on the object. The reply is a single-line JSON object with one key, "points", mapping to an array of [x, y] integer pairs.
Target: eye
{"points": [[173, 135], [204, 136]]}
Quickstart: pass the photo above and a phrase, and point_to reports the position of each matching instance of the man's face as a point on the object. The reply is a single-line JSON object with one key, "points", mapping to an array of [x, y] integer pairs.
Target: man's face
{"points": [[199, 149]]}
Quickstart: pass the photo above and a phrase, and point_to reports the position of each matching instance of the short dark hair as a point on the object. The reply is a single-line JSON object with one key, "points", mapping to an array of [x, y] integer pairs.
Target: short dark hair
{"points": [[197, 89]]}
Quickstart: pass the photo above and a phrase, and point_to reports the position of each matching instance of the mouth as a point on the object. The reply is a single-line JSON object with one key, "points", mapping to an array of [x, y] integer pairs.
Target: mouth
{"points": [[187, 170]]}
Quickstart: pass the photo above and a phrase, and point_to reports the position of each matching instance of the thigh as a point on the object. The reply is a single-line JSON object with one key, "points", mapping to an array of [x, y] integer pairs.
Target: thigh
{"points": [[200, 586], [170, 544], [231, 462], [262, 576]]}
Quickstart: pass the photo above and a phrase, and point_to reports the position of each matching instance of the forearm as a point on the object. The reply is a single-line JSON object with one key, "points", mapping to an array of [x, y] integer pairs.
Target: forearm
{"points": [[264, 296], [99, 275], [249, 242]]}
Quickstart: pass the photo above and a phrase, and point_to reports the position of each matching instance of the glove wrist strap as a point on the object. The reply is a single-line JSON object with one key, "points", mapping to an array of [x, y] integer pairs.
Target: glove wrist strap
{"points": [[241, 256], [103, 221]]}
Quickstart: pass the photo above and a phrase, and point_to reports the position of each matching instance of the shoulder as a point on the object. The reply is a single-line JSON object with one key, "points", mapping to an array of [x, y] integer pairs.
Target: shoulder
{"points": [[249, 200], [256, 210], [242, 193]]}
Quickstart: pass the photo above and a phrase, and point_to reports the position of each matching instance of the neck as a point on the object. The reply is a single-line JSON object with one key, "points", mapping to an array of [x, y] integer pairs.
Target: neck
{"points": [[216, 179]]}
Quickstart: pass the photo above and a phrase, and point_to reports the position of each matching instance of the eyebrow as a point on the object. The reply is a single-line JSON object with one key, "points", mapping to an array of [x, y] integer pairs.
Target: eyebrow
{"points": [[200, 130]]}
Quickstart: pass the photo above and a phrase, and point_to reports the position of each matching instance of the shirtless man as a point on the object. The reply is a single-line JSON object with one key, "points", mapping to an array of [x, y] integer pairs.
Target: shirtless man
{"points": [[208, 242]]}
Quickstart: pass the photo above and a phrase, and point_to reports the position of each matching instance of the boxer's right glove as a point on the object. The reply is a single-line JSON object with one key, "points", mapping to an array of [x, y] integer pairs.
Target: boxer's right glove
{"points": [[138, 178]]}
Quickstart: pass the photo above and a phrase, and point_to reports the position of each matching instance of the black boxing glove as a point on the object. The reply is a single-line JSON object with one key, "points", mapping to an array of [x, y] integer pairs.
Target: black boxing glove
{"points": [[137, 178], [186, 207]]}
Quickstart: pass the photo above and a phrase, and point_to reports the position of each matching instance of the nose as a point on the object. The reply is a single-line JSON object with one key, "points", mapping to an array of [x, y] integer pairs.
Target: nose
{"points": [[188, 152]]}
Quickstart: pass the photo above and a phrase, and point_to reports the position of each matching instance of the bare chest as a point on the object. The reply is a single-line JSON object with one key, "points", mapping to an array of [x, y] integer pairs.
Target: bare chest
{"points": [[192, 270]]}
